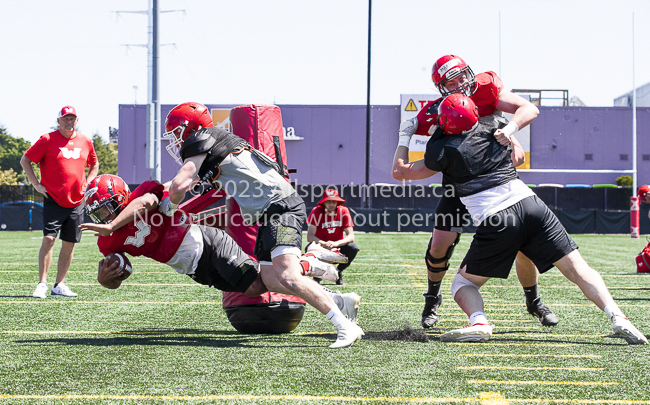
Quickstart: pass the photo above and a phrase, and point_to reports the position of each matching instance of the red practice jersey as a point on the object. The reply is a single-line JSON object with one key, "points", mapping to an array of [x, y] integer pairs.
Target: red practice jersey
{"points": [[485, 98], [63, 162], [330, 227], [154, 234]]}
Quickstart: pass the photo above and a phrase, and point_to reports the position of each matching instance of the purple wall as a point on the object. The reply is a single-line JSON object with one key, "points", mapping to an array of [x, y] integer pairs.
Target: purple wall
{"points": [[333, 148], [562, 136], [334, 145]]}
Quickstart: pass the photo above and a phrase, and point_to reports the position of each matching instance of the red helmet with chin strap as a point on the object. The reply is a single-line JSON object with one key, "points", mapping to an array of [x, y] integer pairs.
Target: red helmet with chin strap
{"points": [[449, 67], [105, 195], [457, 113], [182, 121]]}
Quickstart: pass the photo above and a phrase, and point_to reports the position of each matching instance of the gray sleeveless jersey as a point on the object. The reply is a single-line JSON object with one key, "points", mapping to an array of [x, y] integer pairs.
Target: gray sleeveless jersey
{"points": [[253, 184]]}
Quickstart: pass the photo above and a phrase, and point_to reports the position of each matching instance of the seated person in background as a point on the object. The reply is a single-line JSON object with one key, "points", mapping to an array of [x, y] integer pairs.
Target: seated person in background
{"points": [[331, 226], [643, 193]]}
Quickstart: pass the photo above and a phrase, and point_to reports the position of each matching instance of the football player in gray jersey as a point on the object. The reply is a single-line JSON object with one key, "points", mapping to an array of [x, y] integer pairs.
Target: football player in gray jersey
{"points": [[264, 196]]}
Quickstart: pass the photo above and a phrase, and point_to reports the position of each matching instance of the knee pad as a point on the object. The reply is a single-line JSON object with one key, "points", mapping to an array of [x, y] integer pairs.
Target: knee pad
{"points": [[459, 282], [430, 259]]}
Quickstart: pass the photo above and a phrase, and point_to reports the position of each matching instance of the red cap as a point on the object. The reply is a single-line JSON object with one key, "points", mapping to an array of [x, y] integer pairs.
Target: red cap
{"points": [[643, 191], [331, 194], [67, 110]]}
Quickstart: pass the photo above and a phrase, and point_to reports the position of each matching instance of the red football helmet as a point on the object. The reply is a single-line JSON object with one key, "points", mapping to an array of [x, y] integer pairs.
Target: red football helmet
{"points": [[106, 195], [182, 121], [456, 114], [643, 192], [451, 67]]}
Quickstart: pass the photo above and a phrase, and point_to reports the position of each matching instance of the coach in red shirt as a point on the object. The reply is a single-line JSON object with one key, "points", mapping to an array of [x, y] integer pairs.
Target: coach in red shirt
{"points": [[63, 156], [331, 226]]}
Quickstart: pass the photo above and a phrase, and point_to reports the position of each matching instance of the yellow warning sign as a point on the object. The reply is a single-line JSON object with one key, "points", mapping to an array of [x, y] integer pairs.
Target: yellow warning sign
{"points": [[411, 106]]}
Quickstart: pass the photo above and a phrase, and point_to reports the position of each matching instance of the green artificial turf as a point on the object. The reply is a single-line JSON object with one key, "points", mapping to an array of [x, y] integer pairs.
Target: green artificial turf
{"points": [[162, 338]]}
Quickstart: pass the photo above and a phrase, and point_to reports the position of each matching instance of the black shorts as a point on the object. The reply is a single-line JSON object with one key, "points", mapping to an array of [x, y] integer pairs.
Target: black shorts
{"points": [[451, 215], [281, 225], [223, 264], [67, 220], [527, 226]]}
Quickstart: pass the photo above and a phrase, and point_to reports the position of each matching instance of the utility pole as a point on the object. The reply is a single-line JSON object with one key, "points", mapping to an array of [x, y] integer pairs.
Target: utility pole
{"points": [[153, 98]]}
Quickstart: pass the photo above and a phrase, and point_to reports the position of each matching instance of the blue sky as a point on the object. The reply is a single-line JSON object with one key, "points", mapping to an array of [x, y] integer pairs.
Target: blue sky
{"points": [[302, 52]]}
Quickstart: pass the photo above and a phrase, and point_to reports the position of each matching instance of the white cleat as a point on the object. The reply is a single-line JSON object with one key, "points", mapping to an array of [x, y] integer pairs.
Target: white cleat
{"points": [[351, 302], [346, 336], [62, 290], [326, 255], [320, 269], [40, 291], [476, 333], [624, 329]]}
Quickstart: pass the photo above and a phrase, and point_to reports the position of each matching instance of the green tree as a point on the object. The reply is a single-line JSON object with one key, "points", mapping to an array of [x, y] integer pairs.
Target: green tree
{"points": [[11, 150], [8, 178], [106, 155]]}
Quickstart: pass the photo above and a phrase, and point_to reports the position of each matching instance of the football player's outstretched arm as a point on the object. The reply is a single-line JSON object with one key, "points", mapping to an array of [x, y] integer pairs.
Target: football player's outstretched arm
{"points": [[129, 214], [185, 177]]}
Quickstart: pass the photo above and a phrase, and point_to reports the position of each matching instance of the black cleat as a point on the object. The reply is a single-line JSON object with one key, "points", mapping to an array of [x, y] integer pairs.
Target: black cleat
{"points": [[340, 281], [430, 312], [542, 312]]}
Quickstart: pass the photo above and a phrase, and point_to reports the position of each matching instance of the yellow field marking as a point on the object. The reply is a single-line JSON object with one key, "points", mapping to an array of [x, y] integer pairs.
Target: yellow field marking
{"points": [[442, 318], [76, 301], [493, 398], [531, 355], [552, 336], [409, 303], [528, 368], [515, 344], [508, 382], [485, 398], [491, 313], [245, 397]]}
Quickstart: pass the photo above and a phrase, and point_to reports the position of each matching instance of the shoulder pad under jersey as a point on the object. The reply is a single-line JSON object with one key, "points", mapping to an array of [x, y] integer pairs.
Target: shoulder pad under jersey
{"points": [[199, 142]]}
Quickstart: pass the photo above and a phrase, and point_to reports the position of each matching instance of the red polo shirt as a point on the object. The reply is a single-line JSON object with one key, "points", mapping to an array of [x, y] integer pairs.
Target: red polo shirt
{"points": [[330, 227], [63, 162]]}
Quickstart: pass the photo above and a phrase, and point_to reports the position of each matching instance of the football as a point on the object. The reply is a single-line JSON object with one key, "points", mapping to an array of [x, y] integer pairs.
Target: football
{"points": [[124, 263]]}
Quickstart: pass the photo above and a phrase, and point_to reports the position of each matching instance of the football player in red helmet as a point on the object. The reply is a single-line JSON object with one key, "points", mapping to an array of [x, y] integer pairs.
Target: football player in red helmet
{"points": [[457, 114], [106, 195], [132, 223], [182, 121], [510, 219], [452, 75]]}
